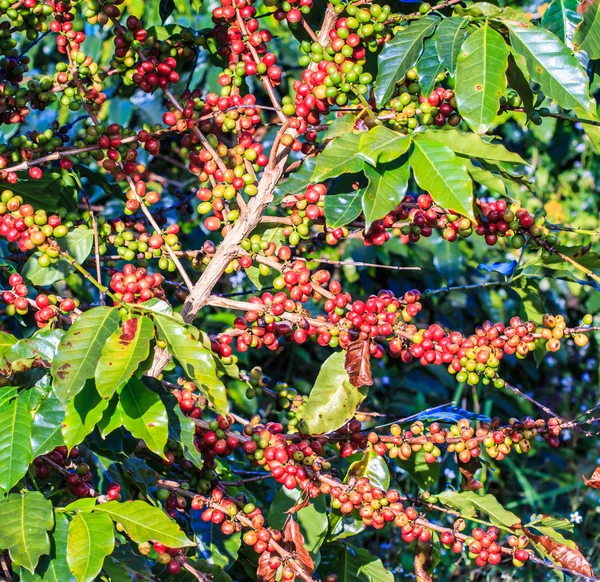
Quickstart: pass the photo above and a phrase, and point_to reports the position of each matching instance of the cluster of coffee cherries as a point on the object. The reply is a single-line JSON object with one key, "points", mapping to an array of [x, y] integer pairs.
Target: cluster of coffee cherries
{"points": [[190, 403], [286, 397], [25, 148], [28, 16], [291, 10], [77, 480], [152, 74], [171, 558], [132, 241], [117, 154], [134, 36], [465, 440], [49, 306], [413, 109], [307, 207], [253, 53], [29, 229], [135, 285], [16, 298], [215, 440]]}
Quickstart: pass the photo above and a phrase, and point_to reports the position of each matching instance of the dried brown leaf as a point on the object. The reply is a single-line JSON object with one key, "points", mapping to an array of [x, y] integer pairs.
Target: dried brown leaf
{"points": [[570, 558], [303, 501], [264, 572], [594, 481], [293, 535], [358, 363], [468, 470], [423, 561]]}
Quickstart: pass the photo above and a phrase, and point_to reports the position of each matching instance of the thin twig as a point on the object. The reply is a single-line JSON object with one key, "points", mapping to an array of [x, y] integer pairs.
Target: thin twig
{"points": [[97, 256]]}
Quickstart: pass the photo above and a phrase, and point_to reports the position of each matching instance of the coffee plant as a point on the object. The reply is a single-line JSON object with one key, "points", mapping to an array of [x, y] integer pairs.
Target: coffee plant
{"points": [[299, 290]]}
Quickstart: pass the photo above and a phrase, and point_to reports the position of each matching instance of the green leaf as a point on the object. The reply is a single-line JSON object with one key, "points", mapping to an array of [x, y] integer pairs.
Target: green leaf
{"points": [[80, 349], [486, 178], [91, 539], [6, 341], [82, 414], [144, 415], [44, 276], [41, 345], [79, 243], [471, 145], [456, 500], [197, 362], [587, 35], [144, 522], [122, 354], [400, 55], [340, 126], [449, 36], [381, 145], [386, 189], [26, 518], [429, 67], [490, 506], [518, 79], [55, 567], [481, 77], [424, 474], [333, 400], [165, 9], [532, 299], [297, 182], [54, 190], [212, 544], [98, 179], [112, 418], [312, 519], [551, 64], [46, 432], [549, 521], [561, 18], [374, 467], [341, 209], [340, 156], [15, 443], [370, 465], [441, 173], [352, 564], [183, 430]]}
